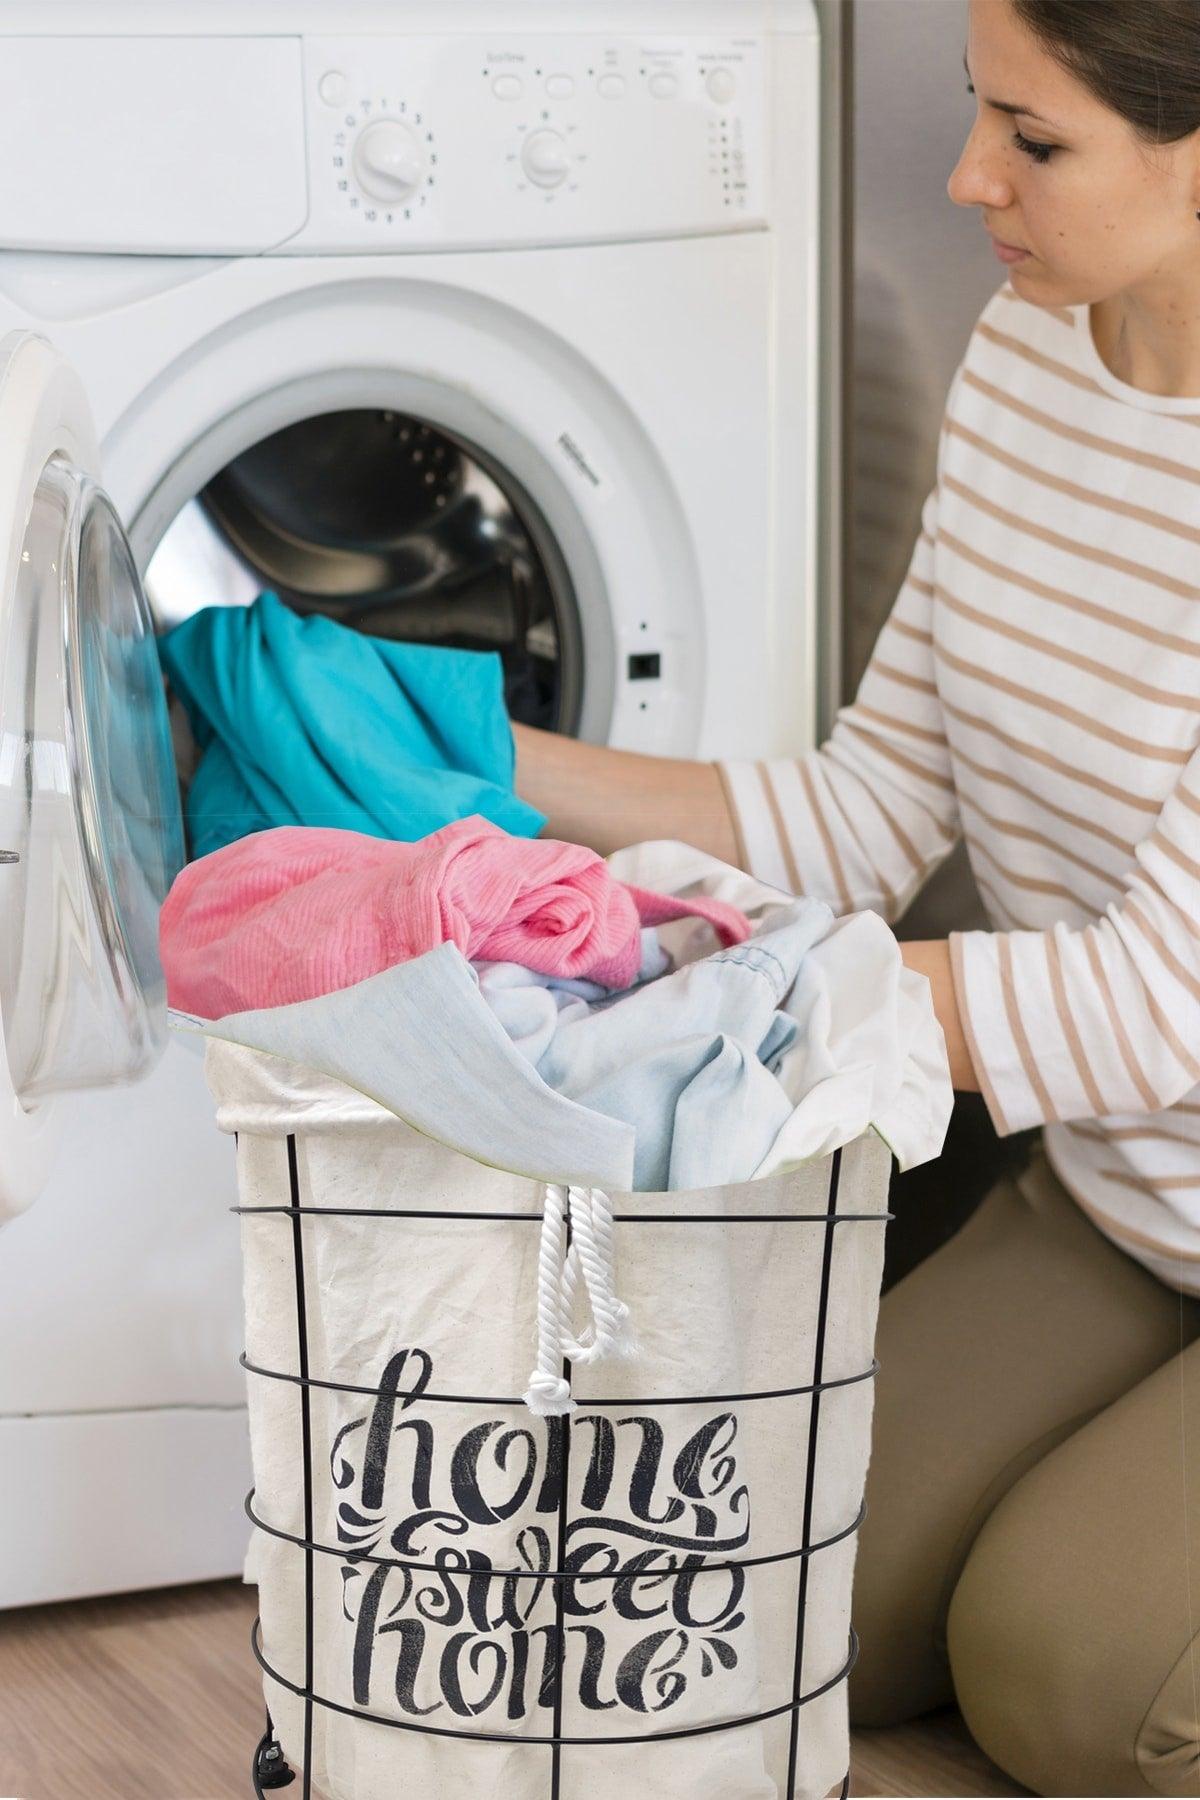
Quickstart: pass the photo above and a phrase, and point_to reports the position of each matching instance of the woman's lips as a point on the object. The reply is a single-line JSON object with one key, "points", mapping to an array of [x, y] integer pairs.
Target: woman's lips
{"points": [[1008, 253]]}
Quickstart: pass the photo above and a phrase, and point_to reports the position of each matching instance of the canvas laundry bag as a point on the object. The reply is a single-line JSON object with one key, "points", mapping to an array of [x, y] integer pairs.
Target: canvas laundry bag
{"points": [[733, 1429]]}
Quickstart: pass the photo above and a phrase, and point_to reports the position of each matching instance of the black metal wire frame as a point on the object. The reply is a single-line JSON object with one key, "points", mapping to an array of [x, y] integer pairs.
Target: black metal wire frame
{"points": [[270, 1770]]}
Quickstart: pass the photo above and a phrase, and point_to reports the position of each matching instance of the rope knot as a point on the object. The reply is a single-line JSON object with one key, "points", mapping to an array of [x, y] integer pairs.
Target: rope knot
{"points": [[549, 1396]]}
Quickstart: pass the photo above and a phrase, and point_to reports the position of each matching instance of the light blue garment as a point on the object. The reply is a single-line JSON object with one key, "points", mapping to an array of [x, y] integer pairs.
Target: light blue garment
{"points": [[668, 1086], [531, 1006], [302, 721], [420, 1040], [688, 1060]]}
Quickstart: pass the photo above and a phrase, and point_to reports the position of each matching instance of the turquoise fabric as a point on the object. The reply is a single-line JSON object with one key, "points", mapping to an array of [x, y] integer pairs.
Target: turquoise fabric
{"points": [[302, 721]]}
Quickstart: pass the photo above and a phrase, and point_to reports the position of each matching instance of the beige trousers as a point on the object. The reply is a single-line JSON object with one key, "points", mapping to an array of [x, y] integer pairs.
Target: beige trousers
{"points": [[1033, 1541]]}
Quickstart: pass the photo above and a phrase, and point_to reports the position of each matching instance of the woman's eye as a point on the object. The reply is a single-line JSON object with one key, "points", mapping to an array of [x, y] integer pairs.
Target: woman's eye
{"points": [[1039, 152]]}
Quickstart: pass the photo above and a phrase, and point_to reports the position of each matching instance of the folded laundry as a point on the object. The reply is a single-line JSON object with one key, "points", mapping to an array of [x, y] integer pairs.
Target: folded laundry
{"points": [[290, 914], [302, 721]]}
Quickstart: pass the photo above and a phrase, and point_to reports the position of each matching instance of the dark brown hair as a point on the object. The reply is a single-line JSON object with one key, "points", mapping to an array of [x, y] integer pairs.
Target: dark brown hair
{"points": [[1140, 57]]}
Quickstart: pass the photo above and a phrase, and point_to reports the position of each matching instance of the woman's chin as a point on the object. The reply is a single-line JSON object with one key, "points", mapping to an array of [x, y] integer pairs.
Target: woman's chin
{"points": [[1023, 274], [1034, 282]]}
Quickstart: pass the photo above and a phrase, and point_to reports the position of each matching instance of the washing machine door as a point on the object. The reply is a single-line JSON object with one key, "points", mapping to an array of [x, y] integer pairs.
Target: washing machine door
{"points": [[90, 829]]}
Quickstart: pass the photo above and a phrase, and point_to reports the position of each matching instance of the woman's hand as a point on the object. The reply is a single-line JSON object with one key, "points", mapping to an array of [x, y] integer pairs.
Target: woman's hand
{"points": [[931, 957]]}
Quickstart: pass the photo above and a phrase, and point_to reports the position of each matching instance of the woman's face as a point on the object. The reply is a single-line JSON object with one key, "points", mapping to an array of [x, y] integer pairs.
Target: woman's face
{"points": [[1077, 204]]}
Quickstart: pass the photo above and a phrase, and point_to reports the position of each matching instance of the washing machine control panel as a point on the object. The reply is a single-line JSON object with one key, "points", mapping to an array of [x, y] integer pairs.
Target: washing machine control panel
{"points": [[434, 143]]}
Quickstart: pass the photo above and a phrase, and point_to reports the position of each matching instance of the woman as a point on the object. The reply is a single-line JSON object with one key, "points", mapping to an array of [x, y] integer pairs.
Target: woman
{"points": [[1037, 688]]}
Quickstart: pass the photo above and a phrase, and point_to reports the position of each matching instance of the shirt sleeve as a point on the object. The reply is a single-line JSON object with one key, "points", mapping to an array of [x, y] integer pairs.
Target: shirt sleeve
{"points": [[864, 820], [1083, 1022]]}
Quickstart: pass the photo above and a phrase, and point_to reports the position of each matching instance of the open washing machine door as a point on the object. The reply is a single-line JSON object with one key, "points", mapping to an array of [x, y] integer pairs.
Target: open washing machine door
{"points": [[90, 830]]}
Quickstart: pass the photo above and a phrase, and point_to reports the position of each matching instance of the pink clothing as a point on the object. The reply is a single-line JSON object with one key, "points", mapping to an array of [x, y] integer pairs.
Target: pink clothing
{"points": [[288, 914]]}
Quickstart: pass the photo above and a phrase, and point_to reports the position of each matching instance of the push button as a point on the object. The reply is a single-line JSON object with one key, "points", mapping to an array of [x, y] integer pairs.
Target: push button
{"points": [[332, 87], [559, 87], [611, 87], [507, 87], [721, 85], [664, 85]]}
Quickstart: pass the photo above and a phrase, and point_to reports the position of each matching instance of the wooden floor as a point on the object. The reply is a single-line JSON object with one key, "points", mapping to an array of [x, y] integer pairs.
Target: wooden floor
{"points": [[156, 1697]]}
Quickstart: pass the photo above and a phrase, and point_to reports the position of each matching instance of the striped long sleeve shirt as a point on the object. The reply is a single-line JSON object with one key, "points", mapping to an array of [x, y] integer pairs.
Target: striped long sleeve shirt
{"points": [[1036, 690]]}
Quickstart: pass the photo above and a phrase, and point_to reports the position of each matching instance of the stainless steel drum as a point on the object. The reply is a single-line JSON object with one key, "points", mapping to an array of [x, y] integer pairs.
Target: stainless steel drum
{"points": [[393, 526]]}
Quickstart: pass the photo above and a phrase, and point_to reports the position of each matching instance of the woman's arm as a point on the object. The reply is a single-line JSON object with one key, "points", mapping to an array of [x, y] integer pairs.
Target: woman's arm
{"points": [[931, 957], [1086, 1021], [609, 798]]}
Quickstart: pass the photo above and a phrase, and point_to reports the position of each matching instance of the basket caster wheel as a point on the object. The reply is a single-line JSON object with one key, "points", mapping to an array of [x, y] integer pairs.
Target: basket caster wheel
{"points": [[271, 1770]]}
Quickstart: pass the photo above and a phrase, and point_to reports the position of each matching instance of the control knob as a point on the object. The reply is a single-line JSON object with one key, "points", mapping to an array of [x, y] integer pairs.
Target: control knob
{"points": [[545, 158], [389, 163]]}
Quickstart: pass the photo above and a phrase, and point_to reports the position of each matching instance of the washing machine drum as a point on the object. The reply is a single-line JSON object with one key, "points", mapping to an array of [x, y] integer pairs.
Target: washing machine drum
{"points": [[390, 525]]}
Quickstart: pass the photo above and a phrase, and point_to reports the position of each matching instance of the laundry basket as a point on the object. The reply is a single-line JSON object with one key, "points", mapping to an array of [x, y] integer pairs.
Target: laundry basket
{"points": [[647, 1596]]}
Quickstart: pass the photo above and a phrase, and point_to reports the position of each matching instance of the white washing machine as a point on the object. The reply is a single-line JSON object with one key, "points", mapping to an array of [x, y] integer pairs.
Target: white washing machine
{"points": [[550, 266]]}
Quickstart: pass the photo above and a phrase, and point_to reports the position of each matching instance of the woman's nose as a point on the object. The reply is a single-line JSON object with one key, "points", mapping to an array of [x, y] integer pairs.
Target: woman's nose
{"points": [[979, 178]]}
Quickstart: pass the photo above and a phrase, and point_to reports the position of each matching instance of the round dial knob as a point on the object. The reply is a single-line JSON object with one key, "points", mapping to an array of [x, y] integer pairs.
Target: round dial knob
{"points": [[389, 163], [545, 159]]}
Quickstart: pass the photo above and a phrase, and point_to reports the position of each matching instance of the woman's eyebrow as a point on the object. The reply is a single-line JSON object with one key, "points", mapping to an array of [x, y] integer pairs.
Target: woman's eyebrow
{"points": [[1006, 106]]}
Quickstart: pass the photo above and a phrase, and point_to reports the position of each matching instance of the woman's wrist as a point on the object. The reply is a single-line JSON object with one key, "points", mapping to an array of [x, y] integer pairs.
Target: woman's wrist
{"points": [[931, 957]]}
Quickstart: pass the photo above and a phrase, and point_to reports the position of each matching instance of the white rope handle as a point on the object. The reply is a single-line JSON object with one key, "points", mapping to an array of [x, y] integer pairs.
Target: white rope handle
{"points": [[549, 1394], [591, 1253], [561, 1271]]}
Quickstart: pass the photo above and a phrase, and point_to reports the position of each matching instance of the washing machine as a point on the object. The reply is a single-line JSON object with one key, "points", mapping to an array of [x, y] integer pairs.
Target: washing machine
{"points": [[484, 322]]}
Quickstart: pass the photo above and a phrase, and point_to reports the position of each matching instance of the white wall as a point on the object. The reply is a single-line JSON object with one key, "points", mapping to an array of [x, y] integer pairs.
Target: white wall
{"points": [[923, 270]]}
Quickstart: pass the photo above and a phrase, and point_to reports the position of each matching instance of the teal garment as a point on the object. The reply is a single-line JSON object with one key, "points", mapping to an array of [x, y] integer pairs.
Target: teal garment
{"points": [[302, 721]]}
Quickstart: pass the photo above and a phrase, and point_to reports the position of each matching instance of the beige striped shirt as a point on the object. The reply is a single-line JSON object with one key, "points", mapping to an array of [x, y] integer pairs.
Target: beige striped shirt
{"points": [[1037, 690]]}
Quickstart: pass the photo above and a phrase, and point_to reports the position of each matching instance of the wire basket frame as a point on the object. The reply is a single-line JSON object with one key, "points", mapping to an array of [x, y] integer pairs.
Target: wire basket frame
{"points": [[270, 1770]]}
